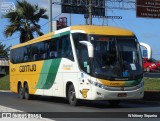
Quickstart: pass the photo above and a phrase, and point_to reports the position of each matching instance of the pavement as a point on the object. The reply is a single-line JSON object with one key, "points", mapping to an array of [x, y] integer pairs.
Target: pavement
{"points": [[150, 97]]}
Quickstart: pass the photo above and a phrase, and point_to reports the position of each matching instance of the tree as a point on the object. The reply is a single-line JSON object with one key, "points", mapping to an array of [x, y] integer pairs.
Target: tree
{"points": [[25, 21], [4, 50]]}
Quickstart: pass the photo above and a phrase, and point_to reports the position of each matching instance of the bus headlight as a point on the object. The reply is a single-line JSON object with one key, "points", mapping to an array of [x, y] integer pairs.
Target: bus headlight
{"points": [[97, 84]]}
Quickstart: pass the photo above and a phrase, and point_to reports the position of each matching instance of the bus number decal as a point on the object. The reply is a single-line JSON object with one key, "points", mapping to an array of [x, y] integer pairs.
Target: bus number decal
{"points": [[13, 69]]}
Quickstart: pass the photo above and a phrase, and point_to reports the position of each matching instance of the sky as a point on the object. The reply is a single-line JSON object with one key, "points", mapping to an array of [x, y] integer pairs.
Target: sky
{"points": [[147, 30]]}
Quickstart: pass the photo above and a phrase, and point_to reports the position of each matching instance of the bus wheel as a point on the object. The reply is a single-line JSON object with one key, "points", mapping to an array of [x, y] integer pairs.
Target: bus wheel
{"points": [[72, 96], [20, 92], [114, 102], [26, 92]]}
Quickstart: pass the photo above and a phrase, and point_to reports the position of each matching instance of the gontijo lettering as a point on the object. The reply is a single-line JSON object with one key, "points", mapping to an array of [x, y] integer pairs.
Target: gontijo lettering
{"points": [[27, 68]]}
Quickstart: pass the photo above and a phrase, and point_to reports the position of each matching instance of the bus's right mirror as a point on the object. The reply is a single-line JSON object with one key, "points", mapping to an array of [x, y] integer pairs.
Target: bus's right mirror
{"points": [[89, 47]]}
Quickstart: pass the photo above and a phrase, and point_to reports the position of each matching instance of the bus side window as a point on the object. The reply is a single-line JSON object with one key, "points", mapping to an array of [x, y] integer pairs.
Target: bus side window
{"points": [[21, 54], [25, 58], [40, 46], [66, 48], [51, 54], [84, 59], [13, 56], [34, 52], [53, 49], [44, 56], [35, 57], [46, 50], [25, 55]]}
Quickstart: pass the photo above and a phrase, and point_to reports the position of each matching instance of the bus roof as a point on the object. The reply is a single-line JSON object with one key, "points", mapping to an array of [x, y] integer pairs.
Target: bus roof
{"points": [[89, 29], [103, 30]]}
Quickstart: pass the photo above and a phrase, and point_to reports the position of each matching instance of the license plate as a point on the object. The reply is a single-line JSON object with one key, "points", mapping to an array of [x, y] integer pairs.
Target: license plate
{"points": [[122, 95]]}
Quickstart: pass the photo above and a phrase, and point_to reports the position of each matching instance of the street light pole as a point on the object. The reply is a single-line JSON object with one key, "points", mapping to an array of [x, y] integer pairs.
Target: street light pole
{"points": [[90, 12], [50, 15]]}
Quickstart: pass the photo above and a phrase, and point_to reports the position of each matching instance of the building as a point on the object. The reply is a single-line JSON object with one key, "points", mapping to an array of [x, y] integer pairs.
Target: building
{"points": [[4, 65]]}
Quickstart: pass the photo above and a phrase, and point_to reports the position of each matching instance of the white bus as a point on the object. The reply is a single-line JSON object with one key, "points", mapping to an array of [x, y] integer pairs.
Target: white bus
{"points": [[79, 63]]}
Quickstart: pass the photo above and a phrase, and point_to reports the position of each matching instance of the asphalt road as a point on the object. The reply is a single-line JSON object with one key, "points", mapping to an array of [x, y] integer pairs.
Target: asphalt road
{"points": [[152, 74], [50, 104]]}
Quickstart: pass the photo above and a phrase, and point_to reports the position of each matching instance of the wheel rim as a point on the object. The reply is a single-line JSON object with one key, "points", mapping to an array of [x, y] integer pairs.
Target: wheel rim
{"points": [[72, 95], [26, 93], [20, 92]]}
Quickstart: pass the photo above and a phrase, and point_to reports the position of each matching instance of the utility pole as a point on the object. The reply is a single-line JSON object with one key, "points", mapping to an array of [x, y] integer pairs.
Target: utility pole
{"points": [[86, 16], [50, 15], [90, 12]]}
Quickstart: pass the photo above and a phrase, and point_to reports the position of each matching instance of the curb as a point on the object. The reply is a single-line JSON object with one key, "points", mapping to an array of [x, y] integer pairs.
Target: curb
{"points": [[5, 91], [143, 102], [150, 97]]}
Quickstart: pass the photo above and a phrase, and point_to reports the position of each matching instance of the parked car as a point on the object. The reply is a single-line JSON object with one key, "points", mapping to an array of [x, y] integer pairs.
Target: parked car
{"points": [[151, 65]]}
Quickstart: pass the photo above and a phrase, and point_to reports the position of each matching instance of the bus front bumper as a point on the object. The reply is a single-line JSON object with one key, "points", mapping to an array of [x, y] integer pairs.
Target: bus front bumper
{"points": [[117, 93]]}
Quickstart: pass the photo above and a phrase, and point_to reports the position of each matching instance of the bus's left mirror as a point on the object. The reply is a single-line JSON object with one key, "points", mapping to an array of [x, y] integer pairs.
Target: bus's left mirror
{"points": [[89, 47]]}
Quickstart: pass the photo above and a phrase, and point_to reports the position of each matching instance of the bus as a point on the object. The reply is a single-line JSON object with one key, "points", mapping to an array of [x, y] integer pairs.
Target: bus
{"points": [[83, 62]]}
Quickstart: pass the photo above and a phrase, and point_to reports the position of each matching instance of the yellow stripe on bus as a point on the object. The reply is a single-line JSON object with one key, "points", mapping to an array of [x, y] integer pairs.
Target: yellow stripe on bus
{"points": [[112, 84], [103, 30]]}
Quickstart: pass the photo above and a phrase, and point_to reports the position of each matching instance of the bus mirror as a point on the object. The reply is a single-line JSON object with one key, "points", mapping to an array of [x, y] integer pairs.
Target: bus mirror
{"points": [[89, 47]]}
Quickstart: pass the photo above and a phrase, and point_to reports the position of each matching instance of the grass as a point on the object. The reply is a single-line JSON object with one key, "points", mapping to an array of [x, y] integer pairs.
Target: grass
{"points": [[4, 82], [151, 84]]}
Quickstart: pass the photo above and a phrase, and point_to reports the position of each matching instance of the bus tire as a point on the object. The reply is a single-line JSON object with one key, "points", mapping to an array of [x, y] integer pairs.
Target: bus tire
{"points": [[72, 96], [27, 96], [114, 102], [20, 91]]}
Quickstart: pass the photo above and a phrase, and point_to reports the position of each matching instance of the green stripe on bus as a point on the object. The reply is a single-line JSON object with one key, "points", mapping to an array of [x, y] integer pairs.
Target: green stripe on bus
{"points": [[56, 35], [48, 74], [61, 34], [132, 82], [65, 33], [52, 73], [43, 74]]}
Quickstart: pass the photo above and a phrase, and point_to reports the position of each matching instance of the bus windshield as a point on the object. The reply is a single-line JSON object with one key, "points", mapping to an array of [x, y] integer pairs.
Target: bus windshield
{"points": [[116, 58]]}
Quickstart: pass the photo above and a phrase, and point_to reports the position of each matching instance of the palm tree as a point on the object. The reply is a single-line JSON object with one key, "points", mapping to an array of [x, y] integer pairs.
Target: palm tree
{"points": [[25, 21], [4, 50]]}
